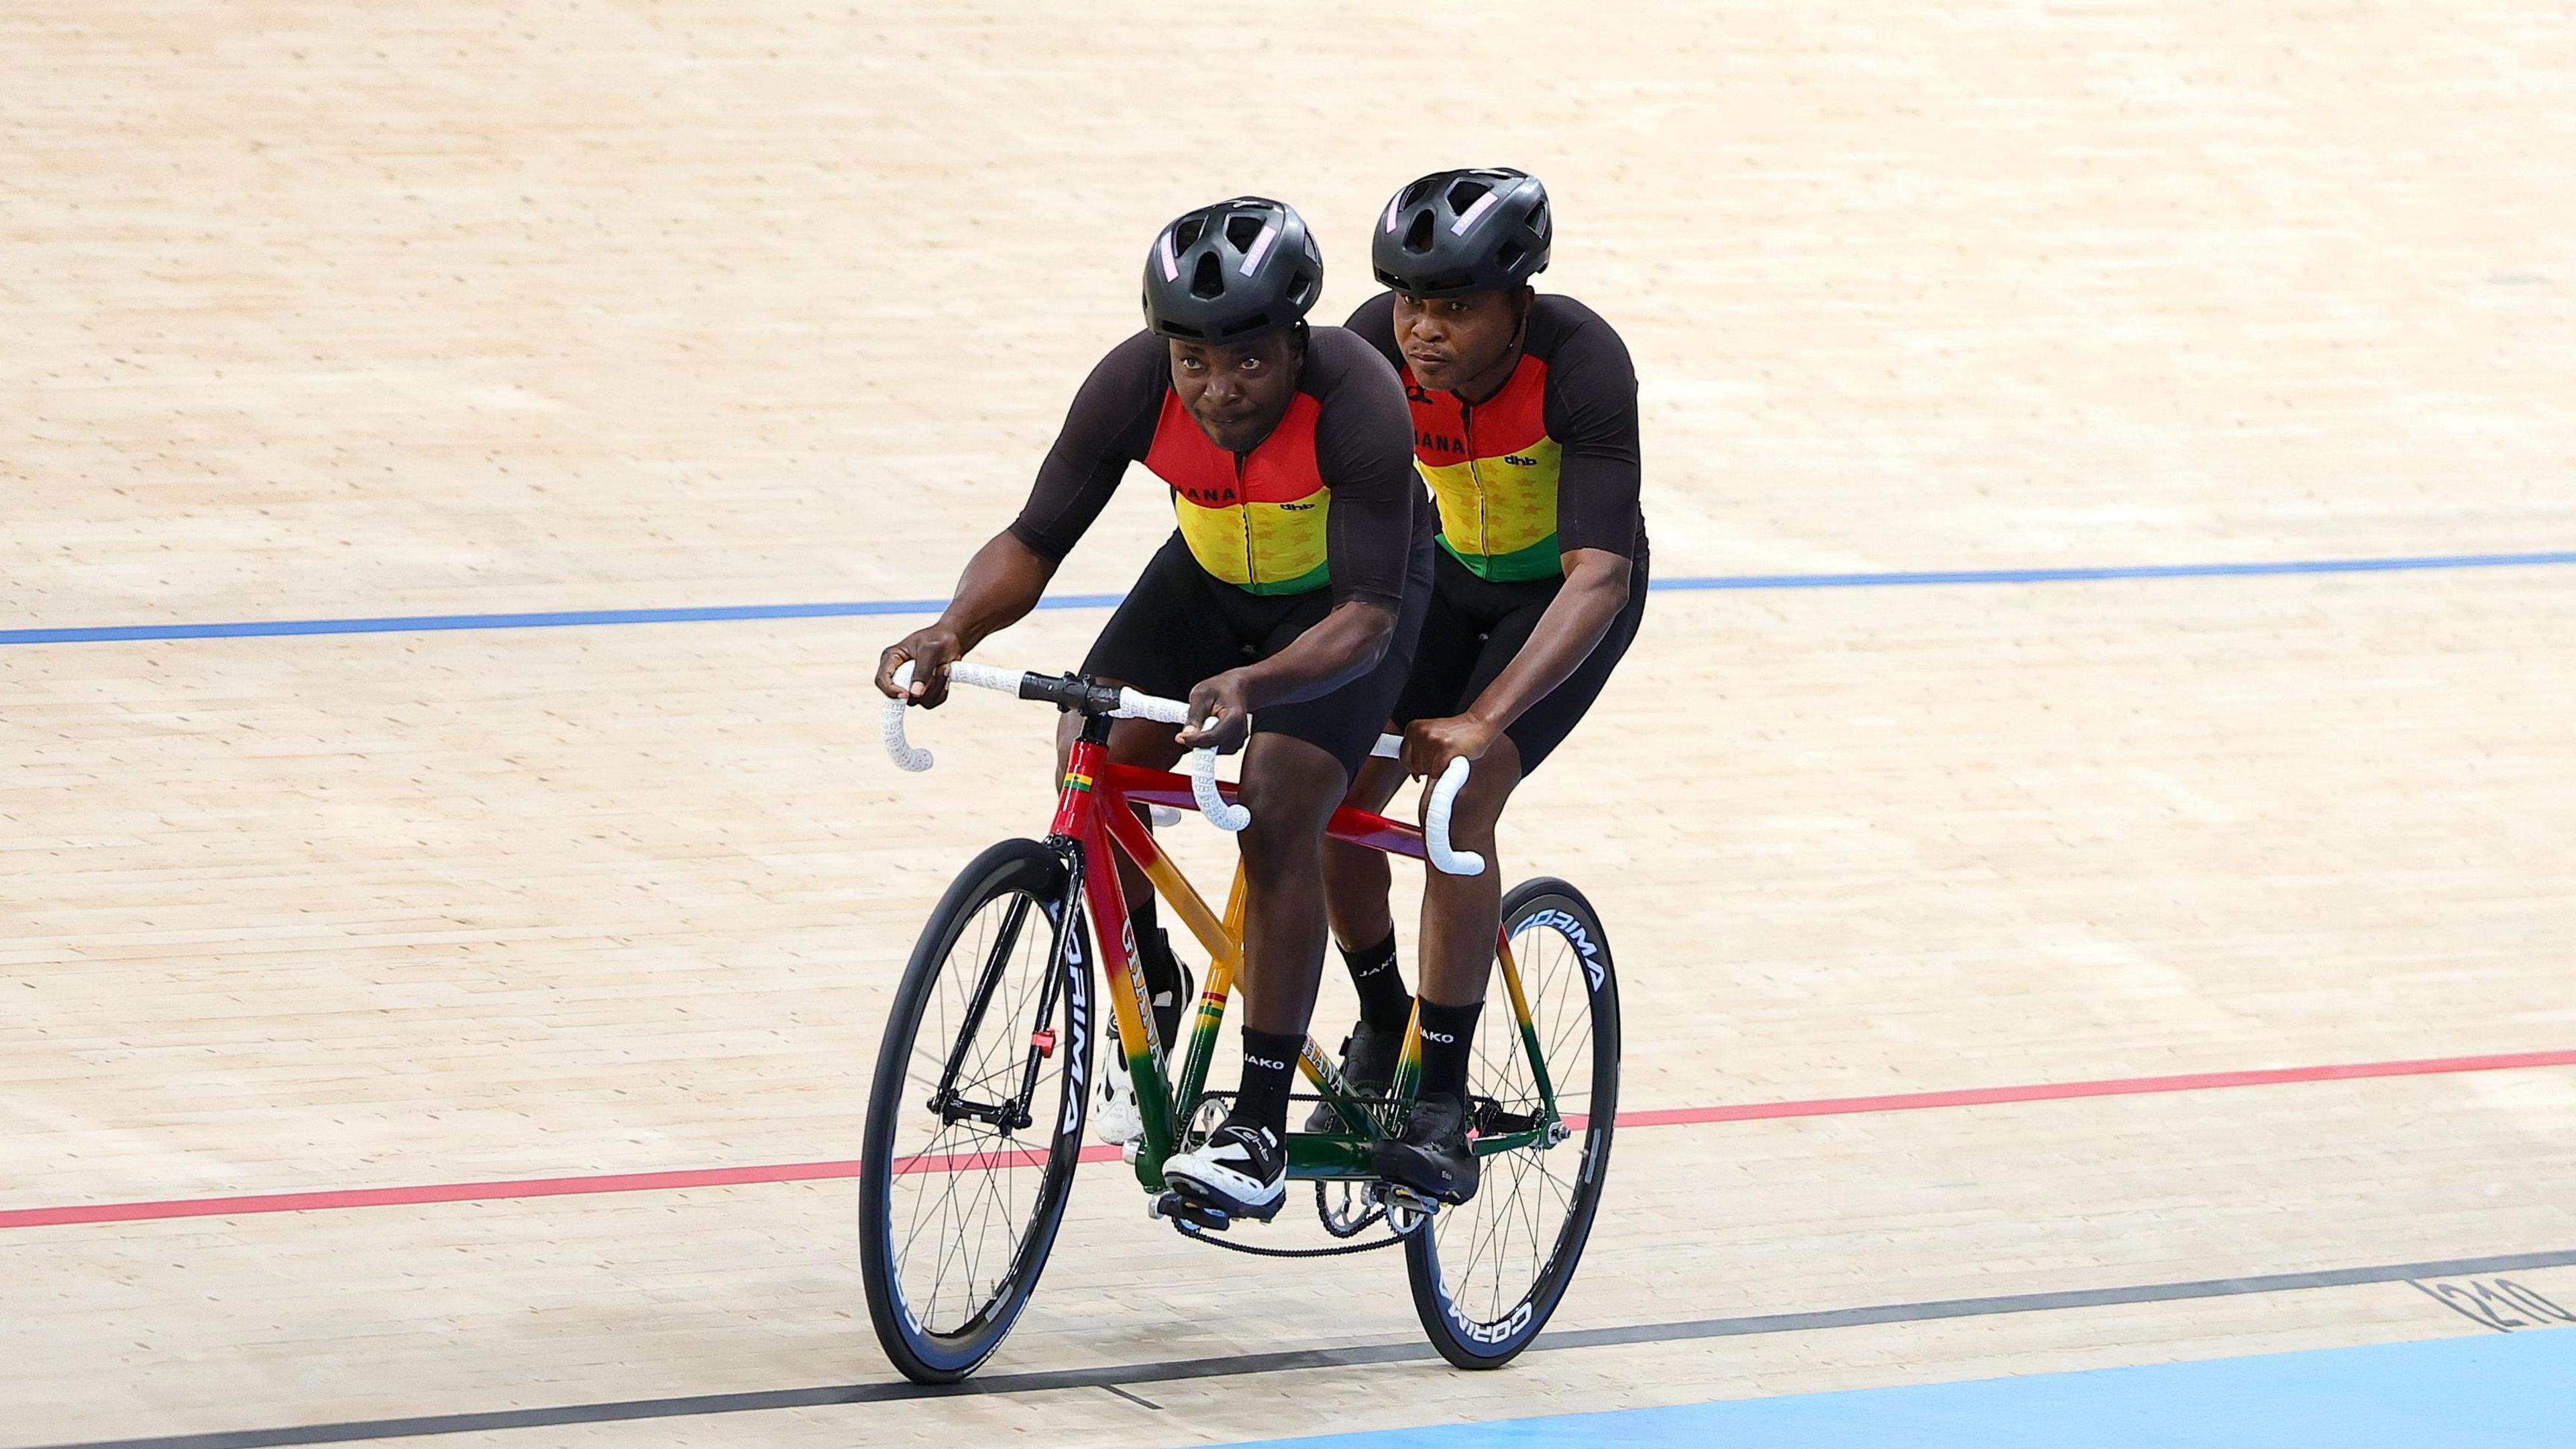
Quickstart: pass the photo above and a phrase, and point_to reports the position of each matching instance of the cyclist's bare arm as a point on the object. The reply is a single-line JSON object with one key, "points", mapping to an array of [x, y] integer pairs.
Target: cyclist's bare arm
{"points": [[1342, 646], [1001, 585], [1596, 589]]}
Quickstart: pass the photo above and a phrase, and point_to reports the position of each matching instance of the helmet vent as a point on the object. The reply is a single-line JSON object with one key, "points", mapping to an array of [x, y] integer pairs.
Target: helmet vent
{"points": [[1208, 281], [1231, 272], [1456, 232]]}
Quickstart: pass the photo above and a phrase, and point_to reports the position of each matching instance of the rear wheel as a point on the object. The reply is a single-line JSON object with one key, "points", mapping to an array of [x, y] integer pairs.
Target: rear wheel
{"points": [[975, 1116], [1487, 1273]]}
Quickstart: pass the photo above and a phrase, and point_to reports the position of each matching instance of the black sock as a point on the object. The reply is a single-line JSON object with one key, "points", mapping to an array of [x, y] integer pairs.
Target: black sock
{"points": [[1153, 948], [1448, 1037], [1269, 1066], [1384, 1003], [1162, 968]]}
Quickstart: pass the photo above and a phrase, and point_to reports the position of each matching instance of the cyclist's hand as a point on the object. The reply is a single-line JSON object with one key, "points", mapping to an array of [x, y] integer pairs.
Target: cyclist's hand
{"points": [[931, 651], [1223, 698], [1430, 744]]}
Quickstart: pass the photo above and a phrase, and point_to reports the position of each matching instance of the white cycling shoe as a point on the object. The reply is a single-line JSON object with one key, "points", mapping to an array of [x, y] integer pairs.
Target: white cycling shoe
{"points": [[1115, 1118], [1241, 1170]]}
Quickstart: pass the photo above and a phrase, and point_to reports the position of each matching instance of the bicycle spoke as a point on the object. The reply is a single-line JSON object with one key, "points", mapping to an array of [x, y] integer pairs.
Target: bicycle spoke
{"points": [[970, 1205], [1505, 1244]]}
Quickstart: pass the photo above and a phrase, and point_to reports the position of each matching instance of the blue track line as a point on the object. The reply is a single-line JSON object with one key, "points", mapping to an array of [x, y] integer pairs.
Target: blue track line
{"points": [[2455, 1393], [568, 618]]}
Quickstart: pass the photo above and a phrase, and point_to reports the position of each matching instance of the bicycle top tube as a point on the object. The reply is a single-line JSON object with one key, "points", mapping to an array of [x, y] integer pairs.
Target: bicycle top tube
{"points": [[1092, 698]]}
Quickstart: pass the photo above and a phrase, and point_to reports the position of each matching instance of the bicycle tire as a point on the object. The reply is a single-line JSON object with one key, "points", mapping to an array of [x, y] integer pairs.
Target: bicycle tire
{"points": [[1481, 1315], [930, 1337]]}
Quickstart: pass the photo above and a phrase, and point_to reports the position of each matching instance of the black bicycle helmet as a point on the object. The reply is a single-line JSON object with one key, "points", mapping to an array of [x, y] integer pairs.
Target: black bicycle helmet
{"points": [[1232, 272], [1455, 232]]}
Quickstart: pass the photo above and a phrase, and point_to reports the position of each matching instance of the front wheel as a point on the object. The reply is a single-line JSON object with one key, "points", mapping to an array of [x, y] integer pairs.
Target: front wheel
{"points": [[975, 1117], [1487, 1273]]}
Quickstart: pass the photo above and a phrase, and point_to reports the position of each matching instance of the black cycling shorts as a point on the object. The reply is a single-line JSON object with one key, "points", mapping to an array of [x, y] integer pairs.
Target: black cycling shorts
{"points": [[1474, 629], [1180, 625]]}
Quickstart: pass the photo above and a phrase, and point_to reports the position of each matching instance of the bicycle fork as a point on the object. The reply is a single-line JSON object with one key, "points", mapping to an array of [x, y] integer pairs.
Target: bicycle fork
{"points": [[1013, 1113]]}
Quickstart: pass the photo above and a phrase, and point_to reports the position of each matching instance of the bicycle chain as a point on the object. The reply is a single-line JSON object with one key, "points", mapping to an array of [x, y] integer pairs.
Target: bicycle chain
{"points": [[1201, 1234], [1365, 1221]]}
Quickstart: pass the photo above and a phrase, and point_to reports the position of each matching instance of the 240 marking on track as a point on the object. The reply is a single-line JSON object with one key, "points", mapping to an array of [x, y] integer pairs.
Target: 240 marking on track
{"points": [[2497, 1303]]}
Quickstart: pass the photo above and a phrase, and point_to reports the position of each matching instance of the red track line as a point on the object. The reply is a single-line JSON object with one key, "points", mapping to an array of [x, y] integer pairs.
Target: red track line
{"points": [[291, 1202], [2116, 1087]]}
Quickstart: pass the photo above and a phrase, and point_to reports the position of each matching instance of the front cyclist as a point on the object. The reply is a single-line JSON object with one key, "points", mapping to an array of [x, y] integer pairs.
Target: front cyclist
{"points": [[1525, 423], [1285, 606]]}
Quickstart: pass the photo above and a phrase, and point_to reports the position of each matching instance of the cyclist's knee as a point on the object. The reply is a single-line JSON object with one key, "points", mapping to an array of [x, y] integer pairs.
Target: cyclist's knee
{"points": [[1488, 790], [1280, 844], [1291, 787], [1145, 743]]}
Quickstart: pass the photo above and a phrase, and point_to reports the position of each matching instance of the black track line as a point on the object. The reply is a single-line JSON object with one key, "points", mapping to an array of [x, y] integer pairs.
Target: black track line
{"points": [[1121, 1376]]}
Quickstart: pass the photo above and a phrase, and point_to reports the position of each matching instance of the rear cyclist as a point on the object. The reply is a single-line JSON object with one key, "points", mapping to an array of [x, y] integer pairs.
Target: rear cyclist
{"points": [[1285, 606], [1525, 423]]}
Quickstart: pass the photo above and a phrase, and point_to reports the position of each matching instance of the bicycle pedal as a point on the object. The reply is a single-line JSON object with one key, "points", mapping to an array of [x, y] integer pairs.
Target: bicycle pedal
{"points": [[1182, 1208], [1400, 1199]]}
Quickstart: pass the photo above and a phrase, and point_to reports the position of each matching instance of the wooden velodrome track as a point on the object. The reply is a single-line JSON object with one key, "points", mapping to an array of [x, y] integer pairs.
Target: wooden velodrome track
{"points": [[318, 311]]}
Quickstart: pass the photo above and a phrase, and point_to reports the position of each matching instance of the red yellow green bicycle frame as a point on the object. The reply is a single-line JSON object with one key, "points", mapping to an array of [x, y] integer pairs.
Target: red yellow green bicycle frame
{"points": [[1096, 810]]}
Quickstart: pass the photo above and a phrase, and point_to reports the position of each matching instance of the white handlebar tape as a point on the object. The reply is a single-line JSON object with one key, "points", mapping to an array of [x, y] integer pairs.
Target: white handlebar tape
{"points": [[985, 676], [1435, 825], [905, 756], [1225, 817], [977, 676], [1132, 705]]}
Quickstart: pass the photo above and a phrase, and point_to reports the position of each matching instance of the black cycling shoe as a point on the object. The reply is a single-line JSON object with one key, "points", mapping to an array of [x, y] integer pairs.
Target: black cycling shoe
{"points": [[1431, 1155], [1241, 1171], [1368, 1069]]}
